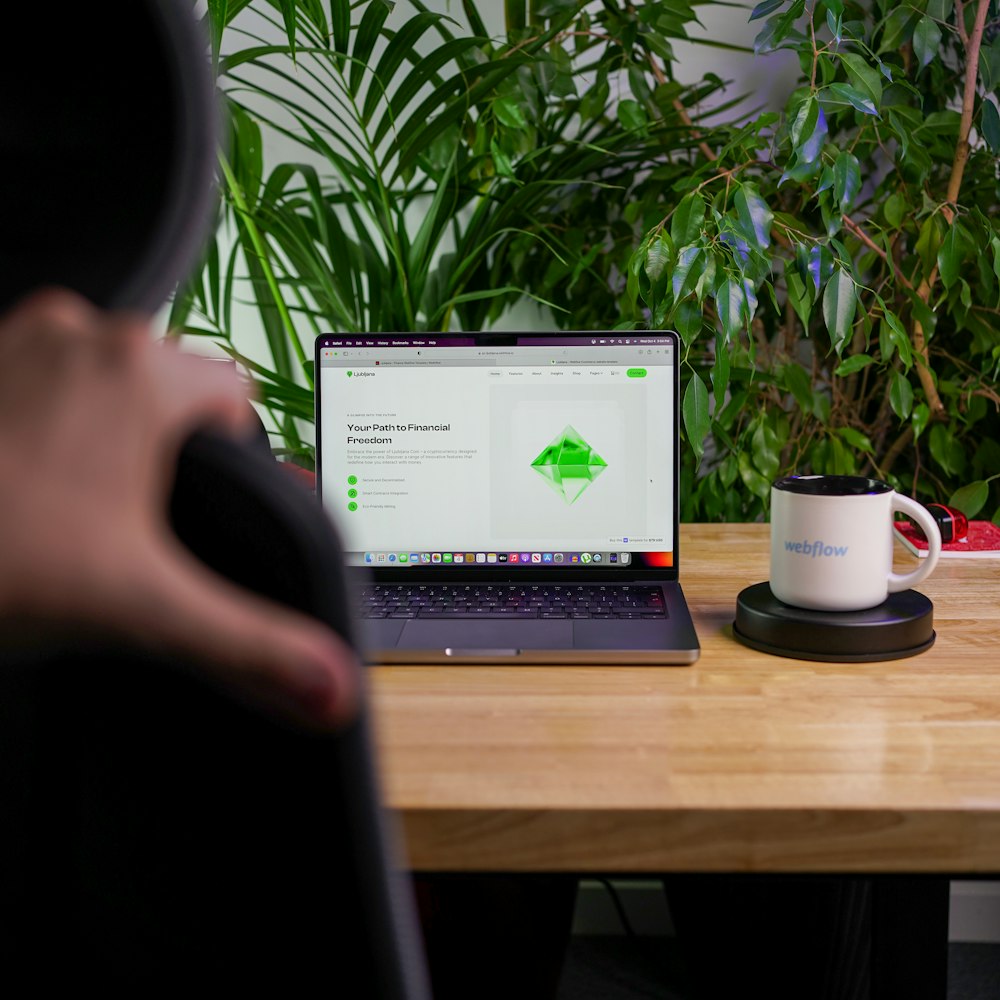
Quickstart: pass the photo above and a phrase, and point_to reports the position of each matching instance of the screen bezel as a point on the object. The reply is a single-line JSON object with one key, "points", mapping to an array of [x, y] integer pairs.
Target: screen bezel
{"points": [[501, 573]]}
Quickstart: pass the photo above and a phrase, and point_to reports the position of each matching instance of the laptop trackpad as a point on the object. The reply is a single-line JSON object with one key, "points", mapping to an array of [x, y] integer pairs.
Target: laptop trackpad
{"points": [[489, 634]]}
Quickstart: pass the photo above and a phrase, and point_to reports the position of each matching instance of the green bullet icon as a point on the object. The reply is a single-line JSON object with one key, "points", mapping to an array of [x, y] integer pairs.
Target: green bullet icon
{"points": [[352, 493], [352, 506], [352, 480]]}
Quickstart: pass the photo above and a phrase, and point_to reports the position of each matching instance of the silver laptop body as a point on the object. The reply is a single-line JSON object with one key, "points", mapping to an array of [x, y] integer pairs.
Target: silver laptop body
{"points": [[507, 497]]}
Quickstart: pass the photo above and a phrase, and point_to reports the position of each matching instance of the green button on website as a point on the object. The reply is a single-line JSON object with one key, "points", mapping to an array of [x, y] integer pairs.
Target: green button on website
{"points": [[636, 373]]}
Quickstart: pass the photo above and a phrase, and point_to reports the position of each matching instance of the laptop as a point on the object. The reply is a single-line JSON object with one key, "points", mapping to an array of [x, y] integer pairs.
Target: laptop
{"points": [[507, 497]]}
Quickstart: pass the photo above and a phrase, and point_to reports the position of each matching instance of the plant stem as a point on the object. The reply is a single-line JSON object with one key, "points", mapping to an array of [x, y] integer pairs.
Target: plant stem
{"points": [[872, 245], [661, 79], [260, 246], [896, 449], [515, 15], [973, 43]]}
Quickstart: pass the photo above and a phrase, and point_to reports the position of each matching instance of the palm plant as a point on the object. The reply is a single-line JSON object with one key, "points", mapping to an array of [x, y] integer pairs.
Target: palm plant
{"points": [[444, 172]]}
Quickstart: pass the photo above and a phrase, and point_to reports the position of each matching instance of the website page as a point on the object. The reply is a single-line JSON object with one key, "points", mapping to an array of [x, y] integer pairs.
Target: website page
{"points": [[435, 451]]}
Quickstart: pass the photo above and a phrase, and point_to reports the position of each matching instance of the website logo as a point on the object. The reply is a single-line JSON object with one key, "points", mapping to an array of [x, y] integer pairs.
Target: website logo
{"points": [[816, 549]]}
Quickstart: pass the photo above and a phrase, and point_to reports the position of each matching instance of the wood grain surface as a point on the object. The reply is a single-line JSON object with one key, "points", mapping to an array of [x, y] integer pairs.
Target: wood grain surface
{"points": [[741, 762]]}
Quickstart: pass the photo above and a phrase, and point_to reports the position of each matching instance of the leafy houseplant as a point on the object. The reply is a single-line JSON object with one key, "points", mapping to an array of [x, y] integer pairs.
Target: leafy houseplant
{"points": [[438, 169], [833, 271]]}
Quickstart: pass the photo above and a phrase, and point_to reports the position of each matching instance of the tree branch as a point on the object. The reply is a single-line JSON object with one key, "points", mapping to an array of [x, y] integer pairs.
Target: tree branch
{"points": [[661, 79], [896, 449], [872, 245], [973, 42], [962, 149]]}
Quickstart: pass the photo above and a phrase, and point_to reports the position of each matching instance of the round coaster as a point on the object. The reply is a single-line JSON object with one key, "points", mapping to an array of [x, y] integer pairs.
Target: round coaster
{"points": [[903, 625]]}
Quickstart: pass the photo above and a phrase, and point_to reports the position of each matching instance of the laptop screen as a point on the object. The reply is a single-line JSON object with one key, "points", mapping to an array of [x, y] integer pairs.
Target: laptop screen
{"points": [[500, 453]]}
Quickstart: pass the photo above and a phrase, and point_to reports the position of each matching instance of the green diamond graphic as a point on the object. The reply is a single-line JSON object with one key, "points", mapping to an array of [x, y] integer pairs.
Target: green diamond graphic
{"points": [[569, 464]]}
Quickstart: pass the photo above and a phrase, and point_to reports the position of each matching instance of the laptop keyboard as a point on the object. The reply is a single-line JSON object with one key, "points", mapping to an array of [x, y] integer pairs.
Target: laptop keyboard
{"points": [[440, 601]]}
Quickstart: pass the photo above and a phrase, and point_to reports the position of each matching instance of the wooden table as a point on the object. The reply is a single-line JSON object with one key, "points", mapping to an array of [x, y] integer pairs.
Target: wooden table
{"points": [[742, 762]]}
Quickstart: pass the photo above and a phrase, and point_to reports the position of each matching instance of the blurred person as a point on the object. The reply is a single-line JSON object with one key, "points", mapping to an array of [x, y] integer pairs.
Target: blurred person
{"points": [[93, 414]]}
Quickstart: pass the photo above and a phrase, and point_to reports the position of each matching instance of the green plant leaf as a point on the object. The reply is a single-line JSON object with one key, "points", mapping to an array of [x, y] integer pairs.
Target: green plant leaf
{"points": [[844, 93], [856, 439], [399, 48], [900, 395], [989, 64], [846, 180], [899, 338], [687, 220], [949, 256], [970, 499], [686, 317], [929, 241], [657, 258], [501, 161], [799, 384], [730, 300], [926, 40], [632, 115], [764, 8], [697, 421], [340, 24], [367, 35], [853, 364], [752, 479], [989, 123], [754, 214], [720, 371], [946, 451], [864, 76], [509, 112], [766, 450], [808, 133], [687, 271], [840, 302], [800, 295], [894, 209], [898, 29]]}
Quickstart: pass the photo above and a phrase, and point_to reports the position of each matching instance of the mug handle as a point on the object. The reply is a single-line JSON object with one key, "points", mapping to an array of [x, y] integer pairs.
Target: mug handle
{"points": [[920, 514]]}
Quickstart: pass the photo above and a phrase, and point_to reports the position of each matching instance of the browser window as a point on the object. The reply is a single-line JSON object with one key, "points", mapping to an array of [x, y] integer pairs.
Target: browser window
{"points": [[545, 451]]}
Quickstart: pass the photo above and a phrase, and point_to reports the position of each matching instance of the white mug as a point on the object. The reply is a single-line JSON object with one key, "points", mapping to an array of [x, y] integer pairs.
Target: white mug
{"points": [[831, 542]]}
